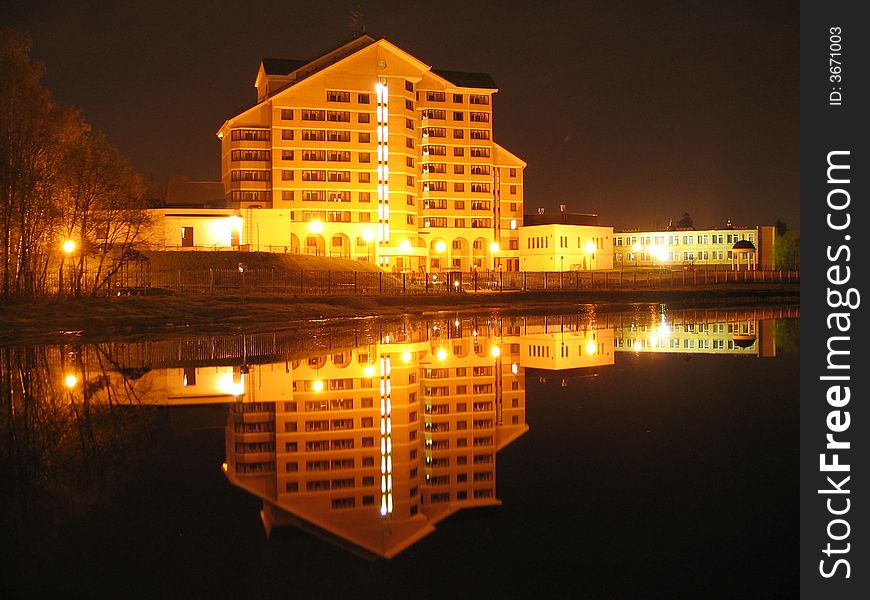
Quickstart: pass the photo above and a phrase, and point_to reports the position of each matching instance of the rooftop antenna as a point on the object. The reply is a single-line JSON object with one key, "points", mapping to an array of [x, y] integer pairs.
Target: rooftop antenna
{"points": [[357, 24]]}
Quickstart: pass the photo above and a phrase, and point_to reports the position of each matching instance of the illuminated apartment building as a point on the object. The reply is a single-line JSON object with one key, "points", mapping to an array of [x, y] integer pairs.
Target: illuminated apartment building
{"points": [[742, 248], [368, 153]]}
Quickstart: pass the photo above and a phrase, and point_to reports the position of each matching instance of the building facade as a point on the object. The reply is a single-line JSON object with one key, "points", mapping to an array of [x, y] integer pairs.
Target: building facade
{"points": [[694, 247], [374, 155]]}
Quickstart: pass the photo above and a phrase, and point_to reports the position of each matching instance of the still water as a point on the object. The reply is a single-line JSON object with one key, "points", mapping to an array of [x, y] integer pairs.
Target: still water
{"points": [[649, 454]]}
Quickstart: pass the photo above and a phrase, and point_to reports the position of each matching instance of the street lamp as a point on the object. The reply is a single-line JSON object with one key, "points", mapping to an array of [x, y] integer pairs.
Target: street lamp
{"points": [[636, 247], [68, 247], [368, 237], [405, 246], [590, 248]]}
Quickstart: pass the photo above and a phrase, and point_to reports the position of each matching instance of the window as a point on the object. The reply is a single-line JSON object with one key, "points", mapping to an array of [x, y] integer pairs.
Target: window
{"points": [[457, 98], [458, 169], [251, 175], [286, 114], [313, 175], [314, 155], [513, 172], [478, 117], [409, 162], [364, 177], [365, 138], [333, 96], [409, 143], [458, 134], [435, 96], [363, 118], [365, 197], [435, 113], [315, 135], [251, 155], [513, 190], [253, 135], [364, 157], [338, 136], [313, 115], [286, 175], [458, 187], [409, 86], [342, 116], [339, 156], [286, 155], [458, 151], [286, 134], [480, 152], [478, 99], [338, 176], [362, 98]]}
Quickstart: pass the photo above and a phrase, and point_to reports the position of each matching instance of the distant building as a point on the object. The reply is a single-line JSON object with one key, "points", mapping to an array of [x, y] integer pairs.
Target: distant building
{"points": [[742, 248]]}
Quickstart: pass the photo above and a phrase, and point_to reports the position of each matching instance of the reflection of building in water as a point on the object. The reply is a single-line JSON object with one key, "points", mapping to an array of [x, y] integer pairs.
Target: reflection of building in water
{"points": [[688, 333], [375, 445]]}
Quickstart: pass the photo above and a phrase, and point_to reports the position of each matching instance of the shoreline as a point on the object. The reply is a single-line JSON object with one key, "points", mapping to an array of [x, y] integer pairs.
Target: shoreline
{"points": [[141, 317]]}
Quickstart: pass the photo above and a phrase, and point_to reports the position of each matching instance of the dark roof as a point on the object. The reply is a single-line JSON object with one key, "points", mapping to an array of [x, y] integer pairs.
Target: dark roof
{"points": [[282, 66], [191, 194], [464, 79], [561, 218], [743, 245]]}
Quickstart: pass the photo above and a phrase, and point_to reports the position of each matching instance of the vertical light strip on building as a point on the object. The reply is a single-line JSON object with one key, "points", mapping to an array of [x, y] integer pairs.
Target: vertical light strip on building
{"points": [[382, 93], [386, 439]]}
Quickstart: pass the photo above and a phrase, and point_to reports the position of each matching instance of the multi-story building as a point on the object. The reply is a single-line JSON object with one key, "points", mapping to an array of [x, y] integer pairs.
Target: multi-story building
{"points": [[736, 247], [368, 153]]}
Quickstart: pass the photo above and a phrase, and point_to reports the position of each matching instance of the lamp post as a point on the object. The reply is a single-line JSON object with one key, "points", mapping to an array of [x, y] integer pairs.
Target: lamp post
{"points": [[315, 227], [368, 237]]}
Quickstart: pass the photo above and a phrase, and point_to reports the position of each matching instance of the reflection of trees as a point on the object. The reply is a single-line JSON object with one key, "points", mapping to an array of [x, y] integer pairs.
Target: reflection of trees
{"points": [[787, 333], [63, 449]]}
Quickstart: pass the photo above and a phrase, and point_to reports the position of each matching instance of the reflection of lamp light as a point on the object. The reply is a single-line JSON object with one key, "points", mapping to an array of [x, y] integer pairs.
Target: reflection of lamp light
{"points": [[70, 381], [440, 246], [441, 354], [515, 368], [637, 346], [591, 348]]}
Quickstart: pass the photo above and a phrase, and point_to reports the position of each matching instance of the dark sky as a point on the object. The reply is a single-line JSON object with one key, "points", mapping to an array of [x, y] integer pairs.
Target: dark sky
{"points": [[636, 110]]}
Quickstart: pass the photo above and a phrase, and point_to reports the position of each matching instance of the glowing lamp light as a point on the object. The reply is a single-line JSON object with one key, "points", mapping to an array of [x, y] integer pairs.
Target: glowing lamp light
{"points": [[636, 247], [590, 247], [368, 236], [317, 386], [637, 346], [494, 247], [70, 381], [405, 245], [591, 348], [441, 354], [440, 246], [235, 223], [315, 227], [69, 246], [662, 254], [456, 322], [406, 357], [513, 223], [456, 283], [495, 351], [369, 371]]}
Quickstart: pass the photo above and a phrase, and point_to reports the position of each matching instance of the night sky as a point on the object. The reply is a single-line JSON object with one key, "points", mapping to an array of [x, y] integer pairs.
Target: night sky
{"points": [[636, 110]]}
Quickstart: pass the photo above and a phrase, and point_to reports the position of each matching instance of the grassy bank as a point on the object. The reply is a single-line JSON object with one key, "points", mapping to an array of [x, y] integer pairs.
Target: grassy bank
{"points": [[96, 319]]}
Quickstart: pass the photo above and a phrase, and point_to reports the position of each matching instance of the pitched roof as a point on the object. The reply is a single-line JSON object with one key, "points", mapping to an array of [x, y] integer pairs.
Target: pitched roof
{"points": [[466, 79]]}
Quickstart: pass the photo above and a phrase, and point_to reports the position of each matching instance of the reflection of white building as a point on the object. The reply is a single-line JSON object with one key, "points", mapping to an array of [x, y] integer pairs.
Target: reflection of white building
{"points": [[689, 336], [559, 351]]}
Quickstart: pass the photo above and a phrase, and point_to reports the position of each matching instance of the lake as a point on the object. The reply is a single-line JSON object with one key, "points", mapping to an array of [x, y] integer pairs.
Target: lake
{"points": [[597, 454]]}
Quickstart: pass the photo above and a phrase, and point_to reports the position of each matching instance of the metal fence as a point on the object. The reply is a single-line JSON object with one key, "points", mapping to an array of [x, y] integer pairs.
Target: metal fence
{"points": [[324, 283]]}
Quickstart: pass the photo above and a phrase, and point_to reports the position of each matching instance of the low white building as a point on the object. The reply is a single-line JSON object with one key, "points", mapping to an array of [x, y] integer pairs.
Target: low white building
{"points": [[566, 247]]}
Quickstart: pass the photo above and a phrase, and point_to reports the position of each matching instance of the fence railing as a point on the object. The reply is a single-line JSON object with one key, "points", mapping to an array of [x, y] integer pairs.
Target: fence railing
{"points": [[320, 283]]}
